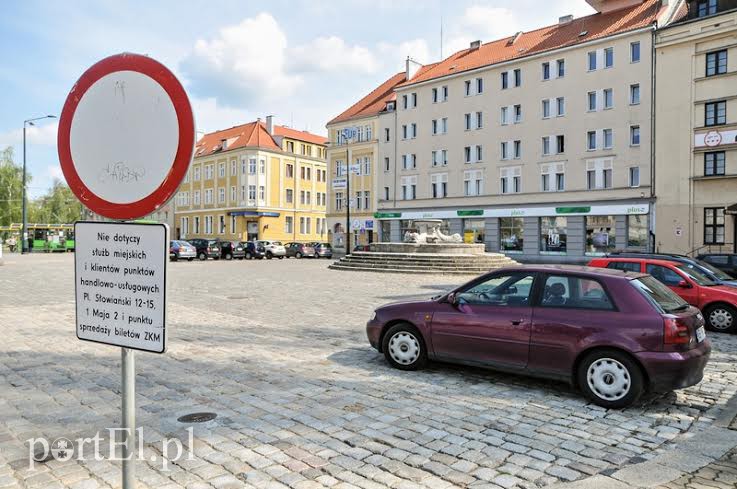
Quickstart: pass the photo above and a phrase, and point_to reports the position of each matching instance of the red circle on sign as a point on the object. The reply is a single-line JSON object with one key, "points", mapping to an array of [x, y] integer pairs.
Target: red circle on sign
{"points": [[185, 148]]}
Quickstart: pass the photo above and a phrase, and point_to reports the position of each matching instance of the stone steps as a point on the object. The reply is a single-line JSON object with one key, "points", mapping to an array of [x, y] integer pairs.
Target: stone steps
{"points": [[423, 263]]}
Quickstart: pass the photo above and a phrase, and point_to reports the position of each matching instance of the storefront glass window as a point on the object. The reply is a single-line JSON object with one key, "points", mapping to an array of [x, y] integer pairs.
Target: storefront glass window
{"points": [[637, 231], [511, 234], [600, 234], [404, 226], [386, 231], [474, 230], [553, 234]]}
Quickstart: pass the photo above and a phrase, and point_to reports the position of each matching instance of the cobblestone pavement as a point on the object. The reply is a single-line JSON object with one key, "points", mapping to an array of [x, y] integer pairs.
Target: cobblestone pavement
{"points": [[721, 474], [277, 349]]}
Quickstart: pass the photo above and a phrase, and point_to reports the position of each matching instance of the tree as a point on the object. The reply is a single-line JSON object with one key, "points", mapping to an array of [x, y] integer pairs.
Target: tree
{"points": [[11, 188], [58, 206]]}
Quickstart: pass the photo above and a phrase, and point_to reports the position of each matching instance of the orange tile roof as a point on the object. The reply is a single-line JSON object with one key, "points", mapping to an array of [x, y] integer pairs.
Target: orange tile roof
{"points": [[251, 135], [556, 36], [305, 136]]}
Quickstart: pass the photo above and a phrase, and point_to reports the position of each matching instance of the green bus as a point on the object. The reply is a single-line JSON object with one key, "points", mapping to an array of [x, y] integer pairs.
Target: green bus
{"points": [[43, 237]]}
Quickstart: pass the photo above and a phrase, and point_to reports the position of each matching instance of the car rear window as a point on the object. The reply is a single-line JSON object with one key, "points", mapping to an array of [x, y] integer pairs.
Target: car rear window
{"points": [[658, 294], [627, 266]]}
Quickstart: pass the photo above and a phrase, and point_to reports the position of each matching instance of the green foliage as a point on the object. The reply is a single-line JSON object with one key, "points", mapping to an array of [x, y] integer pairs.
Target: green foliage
{"points": [[58, 206], [11, 188]]}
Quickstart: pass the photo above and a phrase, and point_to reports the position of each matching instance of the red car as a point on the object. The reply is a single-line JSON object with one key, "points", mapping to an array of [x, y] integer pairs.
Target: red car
{"points": [[611, 333], [718, 302]]}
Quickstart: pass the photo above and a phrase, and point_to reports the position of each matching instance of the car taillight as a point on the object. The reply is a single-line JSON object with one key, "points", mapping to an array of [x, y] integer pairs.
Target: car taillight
{"points": [[675, 332]]}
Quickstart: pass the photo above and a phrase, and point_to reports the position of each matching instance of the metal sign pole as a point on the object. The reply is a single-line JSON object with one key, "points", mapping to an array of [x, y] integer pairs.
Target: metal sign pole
{"points": [[128, 391], [348, 202]]}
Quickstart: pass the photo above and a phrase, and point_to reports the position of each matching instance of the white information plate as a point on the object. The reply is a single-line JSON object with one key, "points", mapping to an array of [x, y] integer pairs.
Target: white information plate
{"points": [[120, 283], [700, 334]]}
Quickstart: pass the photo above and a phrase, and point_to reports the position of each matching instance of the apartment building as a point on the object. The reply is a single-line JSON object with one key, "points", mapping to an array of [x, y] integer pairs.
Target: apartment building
{"points": [[537, 144], [696, 129], [255, 181], [354, 138]]}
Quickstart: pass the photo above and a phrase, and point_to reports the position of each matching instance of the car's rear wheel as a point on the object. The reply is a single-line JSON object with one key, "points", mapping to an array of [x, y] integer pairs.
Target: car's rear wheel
{"points": [[202, 256], [721, 318], [269, 256], [228, 256], [249, 256], [404, 347], [610, 378], [298, 255]]}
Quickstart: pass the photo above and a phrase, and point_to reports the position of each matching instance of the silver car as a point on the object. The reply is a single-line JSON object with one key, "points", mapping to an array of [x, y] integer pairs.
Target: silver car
{"points": [[273, 249]]}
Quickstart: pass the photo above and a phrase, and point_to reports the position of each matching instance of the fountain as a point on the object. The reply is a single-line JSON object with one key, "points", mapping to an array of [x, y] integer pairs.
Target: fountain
{"points": [[425, 249]]}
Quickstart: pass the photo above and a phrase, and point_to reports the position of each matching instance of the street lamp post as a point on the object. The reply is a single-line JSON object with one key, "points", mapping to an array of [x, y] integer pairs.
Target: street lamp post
{"points": [[24, 231]]}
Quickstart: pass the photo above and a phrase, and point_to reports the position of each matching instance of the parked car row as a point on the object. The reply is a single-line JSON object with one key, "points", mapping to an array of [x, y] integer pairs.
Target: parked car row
{"points": [[216, 249]]}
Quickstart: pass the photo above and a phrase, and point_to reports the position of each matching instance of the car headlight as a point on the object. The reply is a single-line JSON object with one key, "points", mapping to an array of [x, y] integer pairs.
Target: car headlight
{"points": [[373, 316]]}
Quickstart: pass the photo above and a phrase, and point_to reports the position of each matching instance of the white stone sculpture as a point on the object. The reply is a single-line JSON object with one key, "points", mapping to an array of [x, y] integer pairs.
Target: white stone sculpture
{"points": [[429, 232]]}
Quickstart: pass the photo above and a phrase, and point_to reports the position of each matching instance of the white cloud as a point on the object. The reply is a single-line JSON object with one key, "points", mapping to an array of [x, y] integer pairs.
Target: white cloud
{"points": [[211, 116], [490, 22], [243, 63], [41, 134], [395, 54], [332, 54]]}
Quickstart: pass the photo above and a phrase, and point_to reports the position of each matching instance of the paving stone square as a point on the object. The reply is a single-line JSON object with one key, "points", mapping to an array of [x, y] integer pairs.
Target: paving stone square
{"points": [[277, 349]]}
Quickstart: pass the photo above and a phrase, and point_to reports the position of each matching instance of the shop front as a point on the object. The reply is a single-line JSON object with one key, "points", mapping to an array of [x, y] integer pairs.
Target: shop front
{"points": [[542, 234], [256, 224]]}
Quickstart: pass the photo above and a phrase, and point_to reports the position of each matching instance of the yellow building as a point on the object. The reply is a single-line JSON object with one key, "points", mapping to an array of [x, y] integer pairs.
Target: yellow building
{"points": [[255, 181]]}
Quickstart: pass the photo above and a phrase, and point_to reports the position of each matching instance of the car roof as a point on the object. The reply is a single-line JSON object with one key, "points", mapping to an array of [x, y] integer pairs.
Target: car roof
{"points": [[652, 261], [575, 269]]}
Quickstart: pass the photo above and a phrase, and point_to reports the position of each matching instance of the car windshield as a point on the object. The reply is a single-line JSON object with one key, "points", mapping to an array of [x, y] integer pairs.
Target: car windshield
{"points": [[659, 295], [212, 243], [276, 243], [719, 274], [696, 275]]}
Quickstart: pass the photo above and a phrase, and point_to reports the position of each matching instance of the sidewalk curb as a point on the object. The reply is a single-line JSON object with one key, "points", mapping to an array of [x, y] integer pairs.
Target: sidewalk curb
{"points": [[684, 458]]}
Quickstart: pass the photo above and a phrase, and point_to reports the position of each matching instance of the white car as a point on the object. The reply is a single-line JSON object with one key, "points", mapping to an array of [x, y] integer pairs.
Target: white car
{"points": [[273, 249]]}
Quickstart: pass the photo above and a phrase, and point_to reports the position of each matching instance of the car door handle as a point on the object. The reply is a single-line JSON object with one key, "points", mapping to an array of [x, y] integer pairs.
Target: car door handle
{"points": [[517, 322]]}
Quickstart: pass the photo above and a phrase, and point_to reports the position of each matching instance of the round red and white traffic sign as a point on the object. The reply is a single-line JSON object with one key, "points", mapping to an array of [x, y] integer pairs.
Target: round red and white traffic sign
{"points": [[126, 136]]}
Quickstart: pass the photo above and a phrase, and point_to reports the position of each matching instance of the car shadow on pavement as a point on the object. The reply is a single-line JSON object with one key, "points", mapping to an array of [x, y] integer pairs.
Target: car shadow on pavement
{"points": [[524, 387]]}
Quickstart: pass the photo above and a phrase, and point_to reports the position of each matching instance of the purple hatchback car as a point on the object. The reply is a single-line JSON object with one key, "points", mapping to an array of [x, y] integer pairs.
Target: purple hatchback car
{"points": [[613, 334]]}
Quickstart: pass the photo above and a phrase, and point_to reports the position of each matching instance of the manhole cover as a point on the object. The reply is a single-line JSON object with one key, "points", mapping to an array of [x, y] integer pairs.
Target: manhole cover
{"points": [[197, 417]]}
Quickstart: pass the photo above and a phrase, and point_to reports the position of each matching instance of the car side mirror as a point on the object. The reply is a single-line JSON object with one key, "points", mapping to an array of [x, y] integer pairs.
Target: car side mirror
{"points": [[512, 290], [684, 285]]}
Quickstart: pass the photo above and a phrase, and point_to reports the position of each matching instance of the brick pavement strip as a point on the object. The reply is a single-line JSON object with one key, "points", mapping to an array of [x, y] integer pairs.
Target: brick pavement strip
{"points": [[277, 349]]}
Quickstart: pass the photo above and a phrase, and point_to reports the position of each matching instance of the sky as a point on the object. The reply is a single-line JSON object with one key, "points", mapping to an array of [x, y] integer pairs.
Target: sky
{"points": [[302, 61]]}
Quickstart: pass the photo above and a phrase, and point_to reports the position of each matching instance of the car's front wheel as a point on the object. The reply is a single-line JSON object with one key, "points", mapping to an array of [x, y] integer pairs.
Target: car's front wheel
{"points": [[610, 378], [721, 318], [298, 255], [202, 256], [404, 347], [269, 256]]}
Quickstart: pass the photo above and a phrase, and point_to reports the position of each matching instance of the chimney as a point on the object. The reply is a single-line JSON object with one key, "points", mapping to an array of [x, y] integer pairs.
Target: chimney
{"points": [[411, 68], [565, 19], [514, 39], [270, 124], [475, 45]]}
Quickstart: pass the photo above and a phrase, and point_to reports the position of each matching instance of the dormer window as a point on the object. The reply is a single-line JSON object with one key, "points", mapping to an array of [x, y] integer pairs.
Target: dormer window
{"points": [[389, 106], [223, 144]]}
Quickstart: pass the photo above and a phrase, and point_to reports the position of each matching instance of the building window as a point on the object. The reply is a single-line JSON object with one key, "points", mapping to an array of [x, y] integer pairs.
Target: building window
{"points": [[479, 85], [511, 232], [634, 135], [474, 230], [196, 225], [634, 176], [289, 196], [608, 98], [608, 57], [553, 234], [599, 174], [517, 150], [196, 198], [546, 145], [479, 153], [592, 101], [252, 166], [635, 94], [715, 113], [637, 231], [635, 52], [546, 71], [505, 116], [414, 104], [366, 165], [439, 185], [221, 195], [517, 77], [414, 130], [479, 121], [221, 224], [560, 104], [505, 80], [208, 224], [716, 63], [504, 148], [591, 140], [338, 201], [473, 183], [445, 93], [251, 192], [560, 144], [468, 88], [288, 224], [553, 177], [608, 139], [409, 188], [714, 163], [290, 171], [262, 193], [510, 180], [706, 7], [386, 164], [221, 170], [517, 114], [600, 234], [546, 109], [467, 122], [434, 95], [262, 167], [404, 101], [233, 168], [592, 60], [714, 225], [386, 193], [208, 196], [561, 65]]}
